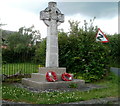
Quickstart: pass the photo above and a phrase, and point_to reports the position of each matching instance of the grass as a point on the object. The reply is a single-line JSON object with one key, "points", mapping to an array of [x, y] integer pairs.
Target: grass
{"points": [[13, 68], [13, 93]]}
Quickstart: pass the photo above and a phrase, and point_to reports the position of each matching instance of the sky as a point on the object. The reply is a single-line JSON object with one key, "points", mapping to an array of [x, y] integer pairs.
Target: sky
{"points": [[19, 13]]}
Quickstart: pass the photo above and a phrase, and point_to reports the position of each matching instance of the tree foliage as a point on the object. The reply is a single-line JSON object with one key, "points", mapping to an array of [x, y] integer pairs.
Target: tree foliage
{"points": [[40, 52], [20, 45], [80, 53], [114, 48]]}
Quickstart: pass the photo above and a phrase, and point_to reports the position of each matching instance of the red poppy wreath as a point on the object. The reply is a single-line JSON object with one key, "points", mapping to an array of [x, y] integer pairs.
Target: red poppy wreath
{"points": [[51, 76], [66, 77]]}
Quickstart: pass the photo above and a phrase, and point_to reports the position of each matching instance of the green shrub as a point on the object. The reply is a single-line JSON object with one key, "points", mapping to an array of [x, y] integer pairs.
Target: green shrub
{"points": [[11, 56], [40, 52], [90, 60], [80, 53], [114, 48]]}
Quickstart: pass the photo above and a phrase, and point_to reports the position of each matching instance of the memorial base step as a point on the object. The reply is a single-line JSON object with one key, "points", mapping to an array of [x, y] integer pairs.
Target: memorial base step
{"points": [[52, 85]]}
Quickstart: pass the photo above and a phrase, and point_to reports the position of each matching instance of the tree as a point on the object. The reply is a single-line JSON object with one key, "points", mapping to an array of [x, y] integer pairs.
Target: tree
{"points": [[40, 52], [20, 44], [22, 39]]}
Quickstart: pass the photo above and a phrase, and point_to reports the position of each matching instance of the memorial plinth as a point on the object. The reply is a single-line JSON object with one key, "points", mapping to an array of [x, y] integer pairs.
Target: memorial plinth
{"points": [[52, 85], [38, 80], [52, 17]]}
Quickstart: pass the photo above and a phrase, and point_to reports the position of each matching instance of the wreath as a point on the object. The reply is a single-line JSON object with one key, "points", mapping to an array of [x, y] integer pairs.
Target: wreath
{"points": [[66, 77], [51, 76]]}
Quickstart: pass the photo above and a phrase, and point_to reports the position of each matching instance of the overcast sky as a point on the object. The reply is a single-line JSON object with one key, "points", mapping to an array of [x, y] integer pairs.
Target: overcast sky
{"points": [[19, 13]]}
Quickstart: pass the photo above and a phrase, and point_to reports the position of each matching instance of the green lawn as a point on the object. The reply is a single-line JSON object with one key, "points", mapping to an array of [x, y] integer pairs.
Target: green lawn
{"points": [[13, 68], [13, 93]]}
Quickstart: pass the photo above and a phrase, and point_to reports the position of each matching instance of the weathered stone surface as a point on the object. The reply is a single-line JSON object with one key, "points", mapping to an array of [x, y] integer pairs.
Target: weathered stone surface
{"points": [[41, 77], [43, 70], [52, 85], [52, 17]]}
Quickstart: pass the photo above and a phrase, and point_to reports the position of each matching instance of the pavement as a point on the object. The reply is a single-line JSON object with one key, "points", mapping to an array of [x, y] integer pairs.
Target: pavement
{"points": [[103, 101]]}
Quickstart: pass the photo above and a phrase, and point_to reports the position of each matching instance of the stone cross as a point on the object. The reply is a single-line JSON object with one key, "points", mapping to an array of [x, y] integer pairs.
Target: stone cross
{"points": [[52, 17]]}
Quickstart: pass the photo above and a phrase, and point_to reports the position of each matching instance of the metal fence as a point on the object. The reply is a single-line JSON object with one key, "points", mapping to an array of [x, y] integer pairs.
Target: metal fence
{"points": [[23, 66]]}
